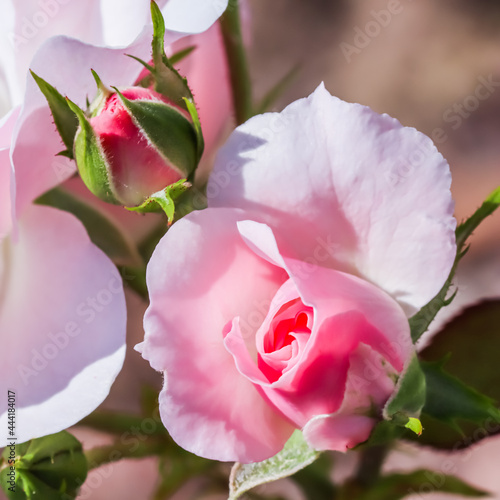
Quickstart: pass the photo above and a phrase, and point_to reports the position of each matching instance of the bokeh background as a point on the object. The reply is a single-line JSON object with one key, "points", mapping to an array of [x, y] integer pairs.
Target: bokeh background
{"points": [[425, 63]]}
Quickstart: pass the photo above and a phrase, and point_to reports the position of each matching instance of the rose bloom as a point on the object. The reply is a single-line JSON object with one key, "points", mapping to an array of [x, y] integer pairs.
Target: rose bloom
{"points": [[285, 304]]}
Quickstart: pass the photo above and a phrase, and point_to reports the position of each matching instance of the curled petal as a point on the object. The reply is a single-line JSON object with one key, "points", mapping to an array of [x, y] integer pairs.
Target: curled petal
{"points": [[211, 277], [345, 188]]}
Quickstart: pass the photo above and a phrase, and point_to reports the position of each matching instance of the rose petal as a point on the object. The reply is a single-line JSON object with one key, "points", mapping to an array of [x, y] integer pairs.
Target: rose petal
{"points": [[211, 277], [26, 25], [347, 311], [337, 433], [192, 16], [368, 383], [345, 188], [63, 322], [7, 185]]}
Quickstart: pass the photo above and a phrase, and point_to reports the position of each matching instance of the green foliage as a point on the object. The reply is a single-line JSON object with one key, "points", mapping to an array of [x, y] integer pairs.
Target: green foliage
{"points": [[163, 200], [64, 118], [456, 415], [91, 161], [101, 229], [404, 407], [167, 79], [295, 456], [50, 468]]}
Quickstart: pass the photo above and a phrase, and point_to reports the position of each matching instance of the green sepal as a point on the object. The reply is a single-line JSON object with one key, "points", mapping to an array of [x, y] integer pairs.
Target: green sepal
{"points": [[419, 323], [168, 81], [52, 467], [295, 455], [148, 80], [163, 200], [409, 397], [197, 127], [103, 232], [102, 96], [168, 130], [64, 118], [414, 425], [90, 160], [181, 54]]}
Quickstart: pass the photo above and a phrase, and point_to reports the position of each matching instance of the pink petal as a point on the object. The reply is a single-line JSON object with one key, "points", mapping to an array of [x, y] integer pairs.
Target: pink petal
{"points": [[192, 16], [337, 433], [63, 318], [26, 25], [346, 188], [201, 276], [369, 383], [7, 185], [348, 311]]}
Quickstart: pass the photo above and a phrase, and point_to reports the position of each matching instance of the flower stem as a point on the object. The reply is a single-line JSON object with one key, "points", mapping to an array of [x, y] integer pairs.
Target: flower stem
{"points": [[237, 60], [119, 450], [370, 465], [121, 423]]}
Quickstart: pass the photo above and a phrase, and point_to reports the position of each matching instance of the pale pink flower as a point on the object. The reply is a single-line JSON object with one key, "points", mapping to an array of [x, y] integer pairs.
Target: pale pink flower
{"points": [[284, 304], [62, 310], [25, 25]]}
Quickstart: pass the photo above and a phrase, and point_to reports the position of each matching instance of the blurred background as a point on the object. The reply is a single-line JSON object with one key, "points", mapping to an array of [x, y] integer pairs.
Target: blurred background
{"points": [[434, 66]]}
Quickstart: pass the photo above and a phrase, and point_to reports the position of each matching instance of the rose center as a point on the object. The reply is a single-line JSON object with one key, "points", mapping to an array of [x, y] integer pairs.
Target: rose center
{"points": [[284, 340]]}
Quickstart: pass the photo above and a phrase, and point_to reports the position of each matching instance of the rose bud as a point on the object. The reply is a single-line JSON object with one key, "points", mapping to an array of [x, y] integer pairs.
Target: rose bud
{"points": [[135, 143]]}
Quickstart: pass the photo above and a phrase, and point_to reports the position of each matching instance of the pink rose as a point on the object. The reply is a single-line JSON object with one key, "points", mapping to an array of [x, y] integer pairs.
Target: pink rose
{"points": [[135, 167], [284, 305], [62, 310]]}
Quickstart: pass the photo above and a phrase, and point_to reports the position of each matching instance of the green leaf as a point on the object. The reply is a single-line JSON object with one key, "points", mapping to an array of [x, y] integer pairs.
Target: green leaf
{"points": [[420, 322], [275, 92], [53, 468], [168, 130], [419, 482], [163, 200], [168, 81], [103, 232], [449, 399], [64, 118], [409, 398], [472, 339], [295, 456], [456, 415], [90, 160]]}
